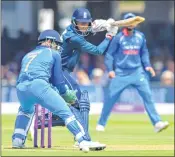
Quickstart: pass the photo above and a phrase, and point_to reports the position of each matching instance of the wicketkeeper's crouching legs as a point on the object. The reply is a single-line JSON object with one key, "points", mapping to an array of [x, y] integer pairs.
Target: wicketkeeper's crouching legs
{"points": [[41, 92]]}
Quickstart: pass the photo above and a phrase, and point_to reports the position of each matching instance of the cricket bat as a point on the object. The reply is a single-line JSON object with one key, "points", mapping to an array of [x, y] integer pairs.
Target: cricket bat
{"points": [[134, 21]]}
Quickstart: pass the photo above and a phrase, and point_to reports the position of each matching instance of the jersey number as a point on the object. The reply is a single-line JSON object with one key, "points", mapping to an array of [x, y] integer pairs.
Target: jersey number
{"points": [[31, 57]]}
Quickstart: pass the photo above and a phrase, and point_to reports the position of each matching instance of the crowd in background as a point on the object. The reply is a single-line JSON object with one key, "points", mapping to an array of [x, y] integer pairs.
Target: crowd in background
{"points": [[91, 69]]}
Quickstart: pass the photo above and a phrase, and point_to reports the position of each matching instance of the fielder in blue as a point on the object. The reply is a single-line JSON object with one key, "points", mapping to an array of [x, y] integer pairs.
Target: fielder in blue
{"points": [[127, 61], [37, 67], [74, 44]]}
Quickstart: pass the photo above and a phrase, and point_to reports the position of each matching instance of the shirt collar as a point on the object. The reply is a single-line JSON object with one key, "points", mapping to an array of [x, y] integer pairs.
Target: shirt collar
{"points": [[126, 33]]}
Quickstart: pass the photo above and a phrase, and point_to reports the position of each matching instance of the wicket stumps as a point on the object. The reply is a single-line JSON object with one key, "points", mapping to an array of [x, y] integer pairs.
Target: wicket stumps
{"points": [[40, 123]]}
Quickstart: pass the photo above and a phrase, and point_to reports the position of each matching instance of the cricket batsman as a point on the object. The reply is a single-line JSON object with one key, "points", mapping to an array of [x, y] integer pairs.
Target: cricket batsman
{"points": [[33, 86], [74, 44], [127, 61]]}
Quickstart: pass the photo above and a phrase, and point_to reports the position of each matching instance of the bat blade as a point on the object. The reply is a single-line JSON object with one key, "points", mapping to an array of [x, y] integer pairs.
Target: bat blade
{"points": [[134, 21]]}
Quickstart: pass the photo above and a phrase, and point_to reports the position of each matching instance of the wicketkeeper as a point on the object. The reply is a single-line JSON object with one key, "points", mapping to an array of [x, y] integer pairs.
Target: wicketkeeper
{"points": [[33, 86]]}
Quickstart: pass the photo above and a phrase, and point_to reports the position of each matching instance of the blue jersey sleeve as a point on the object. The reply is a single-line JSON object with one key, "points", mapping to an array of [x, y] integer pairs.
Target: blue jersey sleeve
{"points": [[85, 46], [145, 54], [109, 57], [57, 76]]}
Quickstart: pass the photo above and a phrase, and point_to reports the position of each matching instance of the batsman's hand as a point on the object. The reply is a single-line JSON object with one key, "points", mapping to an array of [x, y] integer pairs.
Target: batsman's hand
{"points": [[111, 74], [70, 96], [100, 25], [108, 23], [151, 70], [111, 31]]}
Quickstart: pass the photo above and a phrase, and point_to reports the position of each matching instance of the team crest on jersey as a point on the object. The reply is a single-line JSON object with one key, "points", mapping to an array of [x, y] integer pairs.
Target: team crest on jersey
{"points": [[85, 15]]}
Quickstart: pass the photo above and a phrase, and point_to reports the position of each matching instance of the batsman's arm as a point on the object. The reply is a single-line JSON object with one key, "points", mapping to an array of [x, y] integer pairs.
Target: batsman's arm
{"points": [[82, 45], [85, 46]]}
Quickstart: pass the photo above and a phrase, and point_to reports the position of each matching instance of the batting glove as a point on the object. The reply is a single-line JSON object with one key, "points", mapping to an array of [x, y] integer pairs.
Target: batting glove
{"points": [[112, 31]]}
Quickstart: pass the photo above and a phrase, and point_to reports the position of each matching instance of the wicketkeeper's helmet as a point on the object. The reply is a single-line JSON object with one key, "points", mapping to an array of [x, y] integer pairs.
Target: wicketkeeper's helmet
{"points": [[51, 35]]}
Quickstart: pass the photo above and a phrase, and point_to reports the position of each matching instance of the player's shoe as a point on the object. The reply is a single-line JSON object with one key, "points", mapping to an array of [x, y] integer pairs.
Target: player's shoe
{"points": [[84, 146], [99, 146], [17, 143], [159, 126], [100, 127], [93, 146]]}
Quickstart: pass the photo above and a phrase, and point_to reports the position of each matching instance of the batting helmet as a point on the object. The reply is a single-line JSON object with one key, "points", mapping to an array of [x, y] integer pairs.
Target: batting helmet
{"points": [[81, 15]]}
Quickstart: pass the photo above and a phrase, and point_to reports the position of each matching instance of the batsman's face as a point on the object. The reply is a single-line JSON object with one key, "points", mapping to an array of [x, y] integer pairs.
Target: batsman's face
{"points": [[82, 26]]}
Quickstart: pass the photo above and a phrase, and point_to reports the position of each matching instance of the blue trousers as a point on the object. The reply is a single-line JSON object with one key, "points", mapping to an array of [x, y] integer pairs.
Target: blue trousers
{"points": [[138, 80], [41, 92]]}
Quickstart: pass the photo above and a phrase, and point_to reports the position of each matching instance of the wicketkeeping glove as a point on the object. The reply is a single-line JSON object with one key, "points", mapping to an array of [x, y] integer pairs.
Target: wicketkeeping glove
{"points": [[70, 96]]}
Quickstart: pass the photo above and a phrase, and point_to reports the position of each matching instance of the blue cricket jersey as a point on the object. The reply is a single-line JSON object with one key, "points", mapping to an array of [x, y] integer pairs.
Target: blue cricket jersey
{"points": [[43, 63], [74, 44], [127, 53]]}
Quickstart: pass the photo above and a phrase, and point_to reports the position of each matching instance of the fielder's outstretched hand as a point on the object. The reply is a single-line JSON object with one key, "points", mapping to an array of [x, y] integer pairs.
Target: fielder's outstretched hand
{"points": [[151, 70]]}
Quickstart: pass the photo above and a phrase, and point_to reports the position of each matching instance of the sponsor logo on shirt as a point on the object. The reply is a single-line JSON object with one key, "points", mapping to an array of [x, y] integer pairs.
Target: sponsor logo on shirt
{"points": [[131, 49], [130, 52]]}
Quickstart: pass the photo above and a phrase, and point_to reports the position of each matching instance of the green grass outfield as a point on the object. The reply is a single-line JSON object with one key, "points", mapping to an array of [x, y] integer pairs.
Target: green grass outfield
{"points": [[125, 135]]}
